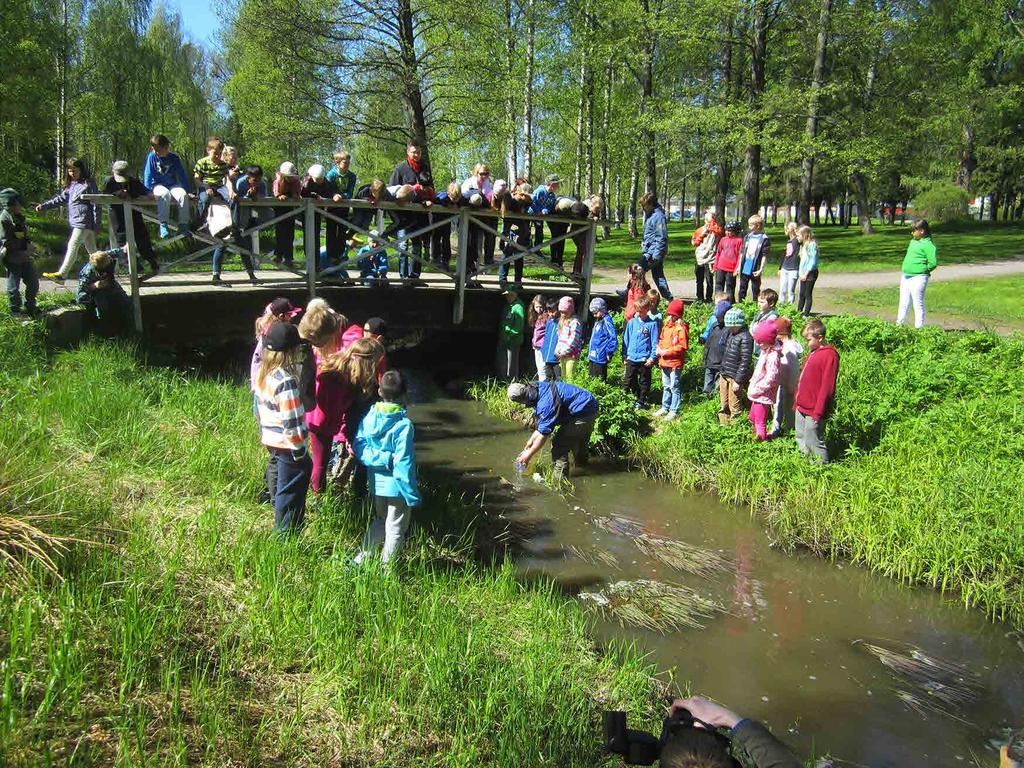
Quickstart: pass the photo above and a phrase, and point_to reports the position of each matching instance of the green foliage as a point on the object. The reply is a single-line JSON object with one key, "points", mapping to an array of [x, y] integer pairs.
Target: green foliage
{"points": [[941, 202]]}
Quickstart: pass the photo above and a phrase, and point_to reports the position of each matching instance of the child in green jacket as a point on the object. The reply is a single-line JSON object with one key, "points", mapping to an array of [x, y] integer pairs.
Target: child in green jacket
{"points": [[510, 336]]}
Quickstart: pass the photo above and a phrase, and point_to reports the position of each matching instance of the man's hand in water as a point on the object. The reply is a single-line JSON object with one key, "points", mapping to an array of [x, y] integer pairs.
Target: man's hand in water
{"points": [[523, 459]]}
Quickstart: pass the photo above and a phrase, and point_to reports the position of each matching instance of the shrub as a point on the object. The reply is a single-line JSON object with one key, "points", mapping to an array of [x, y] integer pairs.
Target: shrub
{"points": [[942, 201]]}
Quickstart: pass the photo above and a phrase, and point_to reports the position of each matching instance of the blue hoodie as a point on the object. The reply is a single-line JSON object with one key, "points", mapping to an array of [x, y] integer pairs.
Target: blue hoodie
{"points": [[547, 351], [655, 242], [603, 341], [385, 446], [543, 200], [640, 339], [718, 315], [166, 170]]}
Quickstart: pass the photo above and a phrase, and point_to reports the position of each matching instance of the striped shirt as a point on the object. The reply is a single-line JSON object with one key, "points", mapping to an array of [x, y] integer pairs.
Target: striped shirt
{"points": [[282, 416]]}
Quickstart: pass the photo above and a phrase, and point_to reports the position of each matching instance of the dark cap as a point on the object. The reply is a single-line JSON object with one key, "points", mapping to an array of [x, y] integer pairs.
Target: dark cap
{"points": [[376, 326], [281, 337], [282, 306]]}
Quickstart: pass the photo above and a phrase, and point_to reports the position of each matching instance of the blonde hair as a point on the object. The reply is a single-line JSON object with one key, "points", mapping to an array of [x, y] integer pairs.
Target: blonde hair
{"points": [[228, 150], [272, 360], [791, 229], [320, 324], [533, 313], [340, 155], [100, 259], [454, 191], [755, 221], [653, 298], [480, 168], [805, 230], [404, 193], [263, 323], [376, 189], [357, 363]]}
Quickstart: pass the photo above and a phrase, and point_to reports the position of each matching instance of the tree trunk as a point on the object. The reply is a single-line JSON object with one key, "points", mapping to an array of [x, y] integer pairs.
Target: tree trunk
{"points": [[696, 195], [682, 199], [63, 63], [758, 60], [860, 186], [665, 194], [581, 115], [412, 96], [860, 182], [968, 161], [531, 30], [634, 184], [618, 201], [512, 151], [981, 209], [817, 83], [723, 169], [647, 93], [606, 125]]}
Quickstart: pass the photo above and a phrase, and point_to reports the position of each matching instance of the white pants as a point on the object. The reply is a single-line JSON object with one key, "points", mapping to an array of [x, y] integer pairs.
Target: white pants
{"points": [[912, 292], [538, 360], [389, 525], [164, 196], [84, 238], [787, 285]]}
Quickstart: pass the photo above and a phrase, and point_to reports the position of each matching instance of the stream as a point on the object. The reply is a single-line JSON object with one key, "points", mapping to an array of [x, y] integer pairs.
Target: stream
{"points": [[782, 648]]}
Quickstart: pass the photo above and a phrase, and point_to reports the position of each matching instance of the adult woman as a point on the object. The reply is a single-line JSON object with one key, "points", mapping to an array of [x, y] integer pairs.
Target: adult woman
{"points": [[918, 265], [480, 181], [808, 269]]}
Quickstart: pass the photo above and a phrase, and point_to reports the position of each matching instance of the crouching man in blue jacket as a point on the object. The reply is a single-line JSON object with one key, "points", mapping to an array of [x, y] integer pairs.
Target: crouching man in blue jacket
{"points": [[385, 446], [563, 410]]}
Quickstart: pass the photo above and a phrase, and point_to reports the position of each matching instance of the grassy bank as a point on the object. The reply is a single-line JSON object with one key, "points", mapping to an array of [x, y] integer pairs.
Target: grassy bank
{"points": [[928, 431], [987, 300], [182, 632]]}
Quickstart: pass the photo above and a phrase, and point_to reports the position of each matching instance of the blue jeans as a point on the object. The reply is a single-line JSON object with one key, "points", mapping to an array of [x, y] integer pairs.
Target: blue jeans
{"points": [[670, 394], [710, 381], [410, 266], [16, 275], [218, 261], [657, 269], [293, 472]]}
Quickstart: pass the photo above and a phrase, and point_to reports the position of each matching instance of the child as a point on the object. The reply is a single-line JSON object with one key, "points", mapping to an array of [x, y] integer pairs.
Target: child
{"points": [[766, 303], [510, 336], [344, 182], [317, 186], [385, 445], [639, 348], [210, 176], [570, 337], [514, 229], [537, 317], [815, 391], [441, 238], [357, 368], [164, 175], [248, 186], [552, 366], [789, 372], [705, 242], [636, 287], [918, 264], [712, 320], [603, 339], [122, 184], [373, 267], [808, 270], [756, 246], [735, 371], [654, 301], [789, 269], [714, 348], [764, 382], [16, 254], [229, 156], [102, 295], [83, 216], [727, 261], [672, 346], [287, 186], [283, 423]]}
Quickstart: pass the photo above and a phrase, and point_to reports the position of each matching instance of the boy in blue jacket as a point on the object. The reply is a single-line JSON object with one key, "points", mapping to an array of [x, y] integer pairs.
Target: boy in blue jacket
{"points": [[639, 348], [164, 175], [603, 339], [385, 446]]}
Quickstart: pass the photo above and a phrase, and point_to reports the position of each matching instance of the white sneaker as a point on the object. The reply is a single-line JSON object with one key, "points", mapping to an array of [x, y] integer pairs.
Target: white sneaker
{"points": [[671, 416], [659, 413]]}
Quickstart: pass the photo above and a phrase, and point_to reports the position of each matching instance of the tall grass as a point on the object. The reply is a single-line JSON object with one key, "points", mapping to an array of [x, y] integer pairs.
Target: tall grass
{"points": [[928, 431], [188, 634]]}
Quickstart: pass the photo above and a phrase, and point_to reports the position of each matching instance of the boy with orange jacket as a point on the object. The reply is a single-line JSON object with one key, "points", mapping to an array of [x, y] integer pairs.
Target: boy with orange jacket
{"points": [[672, 346]]}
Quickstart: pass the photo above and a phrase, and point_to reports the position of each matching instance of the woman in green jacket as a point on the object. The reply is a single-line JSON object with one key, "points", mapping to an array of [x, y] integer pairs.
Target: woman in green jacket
{"points": [[917, 267]]}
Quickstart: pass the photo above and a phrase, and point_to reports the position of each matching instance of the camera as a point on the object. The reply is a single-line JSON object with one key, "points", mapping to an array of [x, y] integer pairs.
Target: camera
{"points": [[643, 748]]}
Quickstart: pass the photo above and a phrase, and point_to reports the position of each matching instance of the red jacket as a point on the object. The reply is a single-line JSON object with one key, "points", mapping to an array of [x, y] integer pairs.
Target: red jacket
{"points": [[727, 257], [632, 294], [817, 386], [698, 237]]}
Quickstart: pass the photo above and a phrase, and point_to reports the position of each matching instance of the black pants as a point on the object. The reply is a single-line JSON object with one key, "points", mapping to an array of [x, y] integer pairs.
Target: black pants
{"points": [[293, 473], [705, 277], [520, 233], [558, 249], [753, 282], [553, 371], [337, 234], [538, 234], [441, 241], [725, 282], [572, 437], [410, 266], [479, 240], [807, 293], [637, 381], [143, 242], [599, 370], [284, 237]]}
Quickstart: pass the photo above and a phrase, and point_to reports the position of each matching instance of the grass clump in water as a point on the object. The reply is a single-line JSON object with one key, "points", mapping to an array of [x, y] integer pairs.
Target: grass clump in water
{"points": [[188, 634], [653, 605]]}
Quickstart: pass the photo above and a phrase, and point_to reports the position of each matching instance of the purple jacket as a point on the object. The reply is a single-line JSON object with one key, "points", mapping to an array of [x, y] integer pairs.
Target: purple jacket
{"points": [[81, 213]]}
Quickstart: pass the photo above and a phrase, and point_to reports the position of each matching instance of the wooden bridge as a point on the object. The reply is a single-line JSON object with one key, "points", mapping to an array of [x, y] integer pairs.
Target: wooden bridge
{"points": [[452, 285]]}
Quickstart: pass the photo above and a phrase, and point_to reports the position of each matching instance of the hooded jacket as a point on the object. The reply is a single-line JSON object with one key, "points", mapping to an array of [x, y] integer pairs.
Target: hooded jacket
{"points": [[640, 339], [385, 446], [674, 341], [570, 339], [714, 346], [167, 171], [82, 214], [739, 347], [603, 341], [547, 349], [764, 383], [654, 246], [14, 238]]}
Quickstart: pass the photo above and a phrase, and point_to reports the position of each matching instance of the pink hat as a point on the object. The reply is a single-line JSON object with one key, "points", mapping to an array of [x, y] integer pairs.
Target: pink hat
{"points": [[765, 333], [566, 304]]}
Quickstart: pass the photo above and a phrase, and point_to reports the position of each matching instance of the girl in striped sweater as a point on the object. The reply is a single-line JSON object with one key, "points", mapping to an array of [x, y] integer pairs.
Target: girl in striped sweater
{"points": [[570, 337]]}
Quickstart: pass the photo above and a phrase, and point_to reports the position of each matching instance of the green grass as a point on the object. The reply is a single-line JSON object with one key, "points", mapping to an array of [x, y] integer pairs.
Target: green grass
{"points": [[992, 299], [183, 632], [928, 431], [843, 249]]}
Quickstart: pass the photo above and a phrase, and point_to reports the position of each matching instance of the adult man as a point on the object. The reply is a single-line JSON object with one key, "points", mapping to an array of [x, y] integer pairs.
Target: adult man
{"points": [[127, 187], [563, 410], [757, 741], [654, 247], [544, 198], [414, 170]]}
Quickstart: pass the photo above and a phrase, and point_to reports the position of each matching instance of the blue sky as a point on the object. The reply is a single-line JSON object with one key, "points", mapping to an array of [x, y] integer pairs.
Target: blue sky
{"points": [[198, 18]]}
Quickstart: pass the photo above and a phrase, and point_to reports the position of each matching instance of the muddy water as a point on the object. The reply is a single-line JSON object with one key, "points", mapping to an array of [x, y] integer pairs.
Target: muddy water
{"points": [[784, 651]]}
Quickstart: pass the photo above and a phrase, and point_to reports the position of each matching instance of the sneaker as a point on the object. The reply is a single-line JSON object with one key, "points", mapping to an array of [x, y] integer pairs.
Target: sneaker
{"points": [[165, 232], [54, 276], [672, 416], [216, 280], [660, 412], [639, 407]]}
